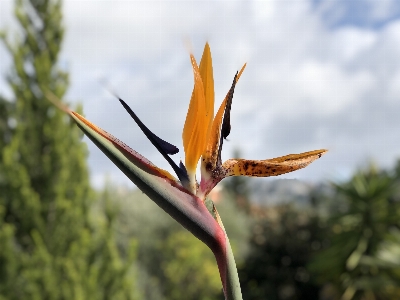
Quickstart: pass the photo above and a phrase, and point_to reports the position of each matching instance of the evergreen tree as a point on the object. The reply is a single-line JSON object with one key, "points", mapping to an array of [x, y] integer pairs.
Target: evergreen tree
{"points": [[363, 229], [281, 247], [51, 248], [4, 127]]}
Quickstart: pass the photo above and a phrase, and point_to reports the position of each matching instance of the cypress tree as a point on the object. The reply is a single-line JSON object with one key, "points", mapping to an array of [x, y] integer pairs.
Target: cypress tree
{"points": [[51, 245]]}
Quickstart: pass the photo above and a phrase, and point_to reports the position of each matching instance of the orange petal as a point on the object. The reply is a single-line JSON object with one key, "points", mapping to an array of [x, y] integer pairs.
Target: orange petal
{"points": [[206, 73], [195, 129], [271, 167], [210, 155]]}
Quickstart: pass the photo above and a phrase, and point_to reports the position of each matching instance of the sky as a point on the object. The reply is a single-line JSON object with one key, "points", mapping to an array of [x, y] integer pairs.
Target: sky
{"points": [[320, 74]]}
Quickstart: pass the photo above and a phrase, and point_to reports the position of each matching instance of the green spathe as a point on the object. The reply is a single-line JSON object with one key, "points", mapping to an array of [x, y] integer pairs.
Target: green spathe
{"points": [[190, 211]]}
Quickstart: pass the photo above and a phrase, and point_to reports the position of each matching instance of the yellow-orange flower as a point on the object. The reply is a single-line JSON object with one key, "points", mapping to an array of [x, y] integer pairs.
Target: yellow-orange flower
{"points": [[203, 136]]}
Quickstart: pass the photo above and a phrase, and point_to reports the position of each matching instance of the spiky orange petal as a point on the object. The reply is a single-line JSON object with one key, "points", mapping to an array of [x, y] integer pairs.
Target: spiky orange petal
{"points": [[206, 73], [195, 132]]}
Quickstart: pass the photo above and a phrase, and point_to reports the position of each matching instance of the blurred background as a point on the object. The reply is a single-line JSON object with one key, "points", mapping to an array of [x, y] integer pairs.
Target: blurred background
{"points": [[320, 74]]}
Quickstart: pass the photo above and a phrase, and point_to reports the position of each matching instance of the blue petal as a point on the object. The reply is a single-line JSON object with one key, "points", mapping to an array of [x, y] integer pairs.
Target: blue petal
{"points": [[155, 140], [226, 123], [162, 146]]}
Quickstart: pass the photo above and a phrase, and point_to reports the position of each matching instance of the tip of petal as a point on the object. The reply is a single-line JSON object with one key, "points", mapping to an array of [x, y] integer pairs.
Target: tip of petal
{"points": [[207, 77], [240, 72]]}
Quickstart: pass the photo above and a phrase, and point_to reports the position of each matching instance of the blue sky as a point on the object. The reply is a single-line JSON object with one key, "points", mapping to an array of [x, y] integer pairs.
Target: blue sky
{"points": [[320, 74], [372, 14]]}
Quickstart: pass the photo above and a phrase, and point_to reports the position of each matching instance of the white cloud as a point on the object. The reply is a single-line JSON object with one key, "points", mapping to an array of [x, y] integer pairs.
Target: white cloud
{"points": [[349, 42], [327, 88]]}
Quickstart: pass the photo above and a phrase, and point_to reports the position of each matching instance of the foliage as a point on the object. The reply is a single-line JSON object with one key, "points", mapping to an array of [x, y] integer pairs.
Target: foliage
{"points": [[5, 129], [188, 266], [281, 247], [51, 247], [362, 261]]}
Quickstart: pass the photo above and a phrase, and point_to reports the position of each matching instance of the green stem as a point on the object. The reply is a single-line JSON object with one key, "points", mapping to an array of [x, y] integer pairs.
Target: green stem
{"points": [[226, 263], [233, 291]]}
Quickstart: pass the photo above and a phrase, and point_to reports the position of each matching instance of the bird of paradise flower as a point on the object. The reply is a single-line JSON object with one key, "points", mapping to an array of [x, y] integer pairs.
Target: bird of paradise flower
{"points": [[184, 198]]}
